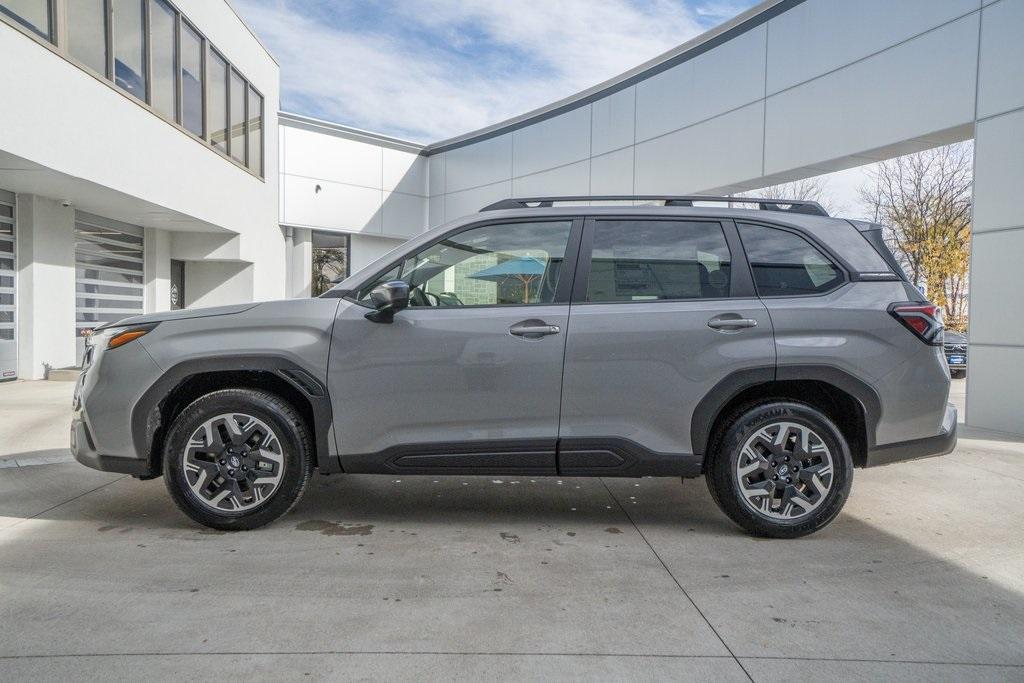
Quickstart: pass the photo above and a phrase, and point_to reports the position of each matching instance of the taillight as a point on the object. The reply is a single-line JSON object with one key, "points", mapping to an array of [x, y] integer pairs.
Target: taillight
{"points": [[924, 320]]}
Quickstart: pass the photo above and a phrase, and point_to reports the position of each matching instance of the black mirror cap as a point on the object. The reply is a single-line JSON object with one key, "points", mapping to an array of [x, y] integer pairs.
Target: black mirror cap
{"points": [[387, 299]]}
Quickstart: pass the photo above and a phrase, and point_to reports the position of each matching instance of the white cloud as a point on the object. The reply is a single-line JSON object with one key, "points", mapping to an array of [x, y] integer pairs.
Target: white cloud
{"points": [[435, 68]]}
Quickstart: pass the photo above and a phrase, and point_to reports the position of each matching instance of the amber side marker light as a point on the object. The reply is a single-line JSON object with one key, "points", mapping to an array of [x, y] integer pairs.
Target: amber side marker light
{"points": [[124, 337]]}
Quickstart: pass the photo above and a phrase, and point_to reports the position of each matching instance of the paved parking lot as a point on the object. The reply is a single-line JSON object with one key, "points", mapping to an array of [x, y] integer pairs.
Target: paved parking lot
{"points": [[921, 577]]}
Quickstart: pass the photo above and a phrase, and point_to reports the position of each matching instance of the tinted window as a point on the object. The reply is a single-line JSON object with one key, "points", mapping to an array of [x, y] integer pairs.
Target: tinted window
{"points": [[32, 14], [785, 264], [129, 46], [651, 260], [237, 117], [87, 34], [217, 69], [191, 80], [255, 132], [161, 36], [493, 265]]}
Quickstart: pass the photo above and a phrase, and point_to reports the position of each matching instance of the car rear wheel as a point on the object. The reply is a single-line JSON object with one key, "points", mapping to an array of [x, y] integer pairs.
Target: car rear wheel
{"points": [[780, 469], [237, 459]]}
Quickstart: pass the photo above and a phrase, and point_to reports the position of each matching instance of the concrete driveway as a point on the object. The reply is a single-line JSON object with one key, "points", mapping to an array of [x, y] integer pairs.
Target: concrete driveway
{"points": [[921, 577]]}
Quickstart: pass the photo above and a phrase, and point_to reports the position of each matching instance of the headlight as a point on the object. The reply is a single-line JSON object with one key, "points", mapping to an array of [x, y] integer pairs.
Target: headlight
{"points": [[113, 337]]}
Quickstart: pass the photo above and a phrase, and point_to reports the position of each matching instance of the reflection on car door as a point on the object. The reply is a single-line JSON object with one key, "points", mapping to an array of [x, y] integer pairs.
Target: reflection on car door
{"points": [[659, 317], [468, 378]]}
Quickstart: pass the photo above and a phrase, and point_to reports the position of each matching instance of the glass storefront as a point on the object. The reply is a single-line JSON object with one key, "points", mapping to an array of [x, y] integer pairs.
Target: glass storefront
{"points": [[8, 291]]}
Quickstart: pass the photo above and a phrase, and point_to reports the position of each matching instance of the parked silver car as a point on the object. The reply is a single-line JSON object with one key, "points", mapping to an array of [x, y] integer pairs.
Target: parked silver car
{"points": [[771, 350]]}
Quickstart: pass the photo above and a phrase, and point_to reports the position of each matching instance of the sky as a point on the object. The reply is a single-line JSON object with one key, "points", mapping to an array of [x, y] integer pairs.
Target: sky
{"points": [[426, 70]]}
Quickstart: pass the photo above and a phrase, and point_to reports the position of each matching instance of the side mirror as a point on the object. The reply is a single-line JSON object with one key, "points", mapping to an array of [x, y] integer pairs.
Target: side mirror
{"points": [[388, 299]]}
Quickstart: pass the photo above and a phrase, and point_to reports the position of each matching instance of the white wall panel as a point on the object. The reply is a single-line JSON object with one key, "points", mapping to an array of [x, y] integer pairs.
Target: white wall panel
{"points": [[613, 120], [1001, 74], [721, 79], [404, 172], [555, 142], [612, 173], [707, 155], [573, 179], [435, 211], [458, 204], [818, 36], [999, 173], [332, 158], [920, 87], [365, 249], [995, 283], [480, 163], [404, 215], [435, 164], [995, 388], [336, 206]]}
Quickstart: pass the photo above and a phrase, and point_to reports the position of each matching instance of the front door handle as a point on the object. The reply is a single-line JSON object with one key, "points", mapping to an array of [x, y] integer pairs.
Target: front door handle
{"points": [[533, 329], [731, 324]]}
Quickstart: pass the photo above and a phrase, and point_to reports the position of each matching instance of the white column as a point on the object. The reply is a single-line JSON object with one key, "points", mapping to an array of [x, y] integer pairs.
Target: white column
{"points": [[157, 252], [46, 286], [300, 262]]}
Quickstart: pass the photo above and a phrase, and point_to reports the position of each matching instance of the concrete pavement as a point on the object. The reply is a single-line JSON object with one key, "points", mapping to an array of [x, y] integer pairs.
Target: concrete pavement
{"points": [[920, 578]]}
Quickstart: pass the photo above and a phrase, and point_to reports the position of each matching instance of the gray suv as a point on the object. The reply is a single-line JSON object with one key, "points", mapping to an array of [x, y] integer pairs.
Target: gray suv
{"points": [[770, 349]]}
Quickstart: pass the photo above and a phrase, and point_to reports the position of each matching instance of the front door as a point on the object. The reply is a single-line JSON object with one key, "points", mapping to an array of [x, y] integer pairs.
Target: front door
{"points": [[659, 317], [177, 292], [468, 378]]}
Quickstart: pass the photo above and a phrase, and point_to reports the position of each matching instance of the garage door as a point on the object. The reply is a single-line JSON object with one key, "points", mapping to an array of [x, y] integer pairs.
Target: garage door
{"points": [[8, 294], [109, 282]]}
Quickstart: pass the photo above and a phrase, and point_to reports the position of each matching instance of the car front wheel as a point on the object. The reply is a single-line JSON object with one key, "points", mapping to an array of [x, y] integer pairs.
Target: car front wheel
{"points": [[237, 459], [780, 469]]}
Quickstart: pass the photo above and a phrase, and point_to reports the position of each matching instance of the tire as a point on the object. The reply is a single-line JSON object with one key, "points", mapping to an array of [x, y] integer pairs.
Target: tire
{"points": [[748, 450], [250, 444]]}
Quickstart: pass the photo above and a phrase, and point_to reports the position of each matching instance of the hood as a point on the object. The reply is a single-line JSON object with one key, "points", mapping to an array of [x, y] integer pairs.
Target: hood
{"points": [[183, 314]]}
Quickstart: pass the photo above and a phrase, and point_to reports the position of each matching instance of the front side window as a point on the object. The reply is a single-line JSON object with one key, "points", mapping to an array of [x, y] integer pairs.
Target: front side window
{"points": [[493, 265], [129, 46], [640, 260], [785, 264], [32, 14], [87, 33]]}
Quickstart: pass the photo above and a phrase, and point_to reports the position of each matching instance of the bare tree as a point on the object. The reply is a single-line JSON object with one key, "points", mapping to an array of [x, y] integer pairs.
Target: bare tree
{"points": [[924, 200], [814, 189], [328, 263]]}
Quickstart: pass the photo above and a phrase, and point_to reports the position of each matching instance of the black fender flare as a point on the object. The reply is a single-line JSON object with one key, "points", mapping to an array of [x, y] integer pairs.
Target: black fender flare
{"points": [[710, 407], [146, 414]]}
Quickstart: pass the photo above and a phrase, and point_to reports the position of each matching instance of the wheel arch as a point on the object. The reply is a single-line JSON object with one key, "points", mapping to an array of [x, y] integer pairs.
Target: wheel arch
{"points": [[848, 401], [187, 381]]}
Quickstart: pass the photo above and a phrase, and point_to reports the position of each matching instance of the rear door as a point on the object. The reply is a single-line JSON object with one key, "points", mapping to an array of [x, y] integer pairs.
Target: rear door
{"points": [[663, 310]]}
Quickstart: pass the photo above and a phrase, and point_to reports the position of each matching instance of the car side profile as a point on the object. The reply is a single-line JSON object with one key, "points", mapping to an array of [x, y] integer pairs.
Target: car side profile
{"points": [[770, 349]]}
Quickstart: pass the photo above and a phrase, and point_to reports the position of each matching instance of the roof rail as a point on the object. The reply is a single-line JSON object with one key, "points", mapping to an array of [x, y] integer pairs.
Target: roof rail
{"points": [[784, 205]]}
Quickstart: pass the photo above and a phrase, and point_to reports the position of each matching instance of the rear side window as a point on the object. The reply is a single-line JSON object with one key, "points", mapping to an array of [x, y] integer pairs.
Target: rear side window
{"points": [[785, 264], [636, 260]]}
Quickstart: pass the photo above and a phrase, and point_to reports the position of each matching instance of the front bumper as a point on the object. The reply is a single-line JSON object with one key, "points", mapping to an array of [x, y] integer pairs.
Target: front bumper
{"points": [[942, 443], [84, 449]]}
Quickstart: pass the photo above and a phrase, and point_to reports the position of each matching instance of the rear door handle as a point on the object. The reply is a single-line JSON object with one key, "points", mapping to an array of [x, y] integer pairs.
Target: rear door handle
{"points": [[731, 324], [533, 329]]}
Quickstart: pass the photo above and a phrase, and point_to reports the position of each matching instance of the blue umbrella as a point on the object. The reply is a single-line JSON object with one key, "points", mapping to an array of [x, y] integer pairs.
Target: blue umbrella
{"points": [[524, 268]]}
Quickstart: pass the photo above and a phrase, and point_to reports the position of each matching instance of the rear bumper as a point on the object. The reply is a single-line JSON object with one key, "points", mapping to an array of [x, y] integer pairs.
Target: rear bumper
{"points": [[941, 444]]}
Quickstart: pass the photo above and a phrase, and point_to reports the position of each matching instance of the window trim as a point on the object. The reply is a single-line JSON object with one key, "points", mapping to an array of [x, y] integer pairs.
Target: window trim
{"points": [[841, 265], [56, 43], [563, 290], [740, 286]]}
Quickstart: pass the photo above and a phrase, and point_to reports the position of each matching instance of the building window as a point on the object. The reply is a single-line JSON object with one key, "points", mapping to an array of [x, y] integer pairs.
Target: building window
{"points": [[237, 117], [785, 264], [217, 98], [653, 260], [255, 132], [31, 14], [87, 33], [330, 260], [8, 298], [192, 80], [109, 279], [163, 45], [129, 39]]}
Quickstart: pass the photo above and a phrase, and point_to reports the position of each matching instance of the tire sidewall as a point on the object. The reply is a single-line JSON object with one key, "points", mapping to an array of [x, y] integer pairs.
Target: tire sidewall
{"points": [[279, 416], [725, 488]]}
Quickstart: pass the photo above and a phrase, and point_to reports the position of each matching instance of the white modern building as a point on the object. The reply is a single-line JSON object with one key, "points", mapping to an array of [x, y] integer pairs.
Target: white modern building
{"points": [[105, 147]]}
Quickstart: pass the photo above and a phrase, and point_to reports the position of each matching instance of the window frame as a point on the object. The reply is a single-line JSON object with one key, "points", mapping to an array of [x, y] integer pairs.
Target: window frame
{"points": [[49, 38], [845, 271], [741, 285], [57, 43], [563, 291]]}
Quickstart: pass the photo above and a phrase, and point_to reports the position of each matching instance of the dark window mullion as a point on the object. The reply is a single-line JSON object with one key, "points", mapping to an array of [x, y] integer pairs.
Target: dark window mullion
{"points": [[108, 30], [147, 51], [178, 96]]}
